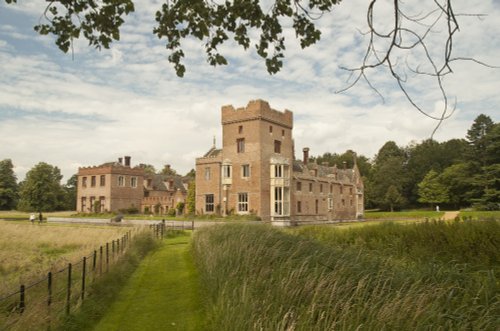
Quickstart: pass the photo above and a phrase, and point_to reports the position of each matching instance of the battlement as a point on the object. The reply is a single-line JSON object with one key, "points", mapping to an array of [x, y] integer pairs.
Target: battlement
{"points": [[256, 109]]}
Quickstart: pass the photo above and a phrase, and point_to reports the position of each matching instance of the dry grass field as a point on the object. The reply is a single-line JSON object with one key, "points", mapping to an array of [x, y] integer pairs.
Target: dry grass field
{"points": [[28, 251]]}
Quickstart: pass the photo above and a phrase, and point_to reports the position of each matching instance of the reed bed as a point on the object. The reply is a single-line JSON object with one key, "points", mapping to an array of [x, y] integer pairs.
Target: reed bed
{"points": [[261, 278]]}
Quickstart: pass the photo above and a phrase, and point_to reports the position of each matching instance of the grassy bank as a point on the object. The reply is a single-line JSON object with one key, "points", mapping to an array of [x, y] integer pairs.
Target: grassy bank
{"points": [[416, 214], [260, 278], [106, 289]]}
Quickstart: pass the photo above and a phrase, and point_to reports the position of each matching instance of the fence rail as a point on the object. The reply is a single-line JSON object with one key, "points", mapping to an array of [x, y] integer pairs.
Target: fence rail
{"points": [[34, 306]]}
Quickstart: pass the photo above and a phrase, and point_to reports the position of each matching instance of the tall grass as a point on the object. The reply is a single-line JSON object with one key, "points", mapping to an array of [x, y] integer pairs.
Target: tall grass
{"points": [[473, 243], [260, 278], [416, 214], [28, 251]]}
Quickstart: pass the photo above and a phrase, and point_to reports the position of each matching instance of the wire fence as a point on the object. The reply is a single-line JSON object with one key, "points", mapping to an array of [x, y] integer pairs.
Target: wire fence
{"points": [[36, 305]]}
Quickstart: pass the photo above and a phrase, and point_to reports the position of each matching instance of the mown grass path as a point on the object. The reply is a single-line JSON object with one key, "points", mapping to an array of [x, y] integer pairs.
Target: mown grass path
{"points": [[162, 294]]}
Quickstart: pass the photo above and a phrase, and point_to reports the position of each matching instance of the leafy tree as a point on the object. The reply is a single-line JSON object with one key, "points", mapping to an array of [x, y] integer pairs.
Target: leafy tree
{"points": [[348, 157], [393, 197], [167, 170], [191, 198], [8, 185], [191, 174], [70, 193], [476, 136], [388, 170], [149, 169], [41, 190], [458, 180], [431, 190]]}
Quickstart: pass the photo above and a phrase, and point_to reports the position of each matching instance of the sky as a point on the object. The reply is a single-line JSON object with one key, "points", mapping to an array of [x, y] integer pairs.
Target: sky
{"points": [[89, 107]]}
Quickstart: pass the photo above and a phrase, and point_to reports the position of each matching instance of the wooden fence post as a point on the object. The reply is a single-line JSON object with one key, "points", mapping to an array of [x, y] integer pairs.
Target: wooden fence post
{"points": [[94, 261], [107, 257], [68, 290], [84, 271], [22, 303], [49, 288], [100, 260]]}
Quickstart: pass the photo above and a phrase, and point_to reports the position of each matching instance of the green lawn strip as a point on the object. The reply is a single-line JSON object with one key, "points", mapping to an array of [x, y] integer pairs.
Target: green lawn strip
{"points": [[162, 294]]}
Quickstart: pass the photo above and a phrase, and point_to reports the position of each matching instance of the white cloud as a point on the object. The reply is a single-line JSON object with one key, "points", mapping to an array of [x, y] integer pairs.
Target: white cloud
{"points": [[128, 101]]}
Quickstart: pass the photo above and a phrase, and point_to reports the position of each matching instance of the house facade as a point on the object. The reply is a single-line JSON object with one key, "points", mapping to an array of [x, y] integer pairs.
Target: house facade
{"points": [[255, 172], [116, 186]]}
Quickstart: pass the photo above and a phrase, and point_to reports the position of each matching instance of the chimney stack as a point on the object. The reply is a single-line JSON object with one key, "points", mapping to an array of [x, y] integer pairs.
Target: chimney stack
{"points": [[120, 160], [127, 161], [306, 155]]}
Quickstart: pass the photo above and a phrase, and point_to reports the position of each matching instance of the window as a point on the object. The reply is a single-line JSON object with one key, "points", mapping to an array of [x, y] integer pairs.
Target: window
{"points": [[330, 203], [209, 203], [240, 145], [84, 203], [245, 171], [341, 189], [226, 171], [317, 206], [133, 181], [278, 200], [282, 133], [299, 207], [243, 202], [92, 181], [350, 190], [103, 180], [270, 129], [84, 181], [299, 186], [102, 201], [320, 188], [343, 202], [281, 200], [310, 187], [121, 181], [92, 201], [278, 171], [240, 129], [331, 188], [277, 146], [207, 173]]}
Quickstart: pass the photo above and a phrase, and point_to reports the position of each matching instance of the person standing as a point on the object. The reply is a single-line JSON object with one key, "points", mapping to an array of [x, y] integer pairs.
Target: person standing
{"points": [[32, 218], [40, 217]]}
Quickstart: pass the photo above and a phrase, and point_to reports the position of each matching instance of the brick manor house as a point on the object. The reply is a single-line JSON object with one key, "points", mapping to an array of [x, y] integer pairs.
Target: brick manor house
{"points": [[256, 172], [115, 186]]}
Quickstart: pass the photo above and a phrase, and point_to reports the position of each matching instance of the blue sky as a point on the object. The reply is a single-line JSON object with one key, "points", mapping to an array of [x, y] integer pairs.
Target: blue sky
{"points": [[100, 105]]}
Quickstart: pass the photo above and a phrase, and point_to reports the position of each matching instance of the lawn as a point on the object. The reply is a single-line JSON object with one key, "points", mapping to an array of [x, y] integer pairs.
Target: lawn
{"points": [[162, 294]]}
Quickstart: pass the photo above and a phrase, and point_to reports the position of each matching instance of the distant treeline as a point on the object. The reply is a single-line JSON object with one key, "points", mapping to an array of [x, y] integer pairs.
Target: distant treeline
{"points": [[456, 173]]}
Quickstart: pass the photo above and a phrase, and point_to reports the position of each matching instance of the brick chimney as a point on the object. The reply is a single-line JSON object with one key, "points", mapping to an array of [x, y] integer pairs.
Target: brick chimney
{"points": [[120, 160], [306, 155], [127, 161]]}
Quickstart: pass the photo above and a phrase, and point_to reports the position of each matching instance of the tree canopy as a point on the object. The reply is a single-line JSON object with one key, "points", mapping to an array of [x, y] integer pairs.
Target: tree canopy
{"points": [[8, 185], [41, 190]]}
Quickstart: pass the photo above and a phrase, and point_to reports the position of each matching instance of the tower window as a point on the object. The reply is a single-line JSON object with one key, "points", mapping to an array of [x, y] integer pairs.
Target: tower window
{"points": [[240, 145], [277, 146], [240, 129]]}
